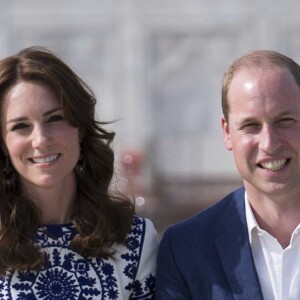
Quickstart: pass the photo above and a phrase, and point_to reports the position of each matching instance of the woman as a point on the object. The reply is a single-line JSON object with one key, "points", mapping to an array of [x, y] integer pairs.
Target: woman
{"points": [[63, 235]]}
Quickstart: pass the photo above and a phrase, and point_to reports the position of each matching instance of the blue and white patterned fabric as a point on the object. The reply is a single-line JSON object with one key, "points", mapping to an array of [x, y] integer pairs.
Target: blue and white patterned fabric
{"points": [[68, 275]]}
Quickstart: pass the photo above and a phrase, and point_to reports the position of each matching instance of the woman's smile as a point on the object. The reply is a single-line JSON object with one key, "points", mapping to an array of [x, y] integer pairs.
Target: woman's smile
{"points": [[41, 160]]}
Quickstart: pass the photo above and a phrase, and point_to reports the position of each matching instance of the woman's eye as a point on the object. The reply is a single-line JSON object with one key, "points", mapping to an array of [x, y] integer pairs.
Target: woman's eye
{"points": [[56, 118], [19, 126]]}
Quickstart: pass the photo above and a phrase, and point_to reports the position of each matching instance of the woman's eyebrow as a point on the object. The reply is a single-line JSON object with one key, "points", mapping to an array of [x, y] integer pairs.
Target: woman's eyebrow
{"points": [[52, 111], [49, 112]]}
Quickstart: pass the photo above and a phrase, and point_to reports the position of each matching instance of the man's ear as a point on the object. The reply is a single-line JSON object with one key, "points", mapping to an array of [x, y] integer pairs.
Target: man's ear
{"points": [[226, 134]]}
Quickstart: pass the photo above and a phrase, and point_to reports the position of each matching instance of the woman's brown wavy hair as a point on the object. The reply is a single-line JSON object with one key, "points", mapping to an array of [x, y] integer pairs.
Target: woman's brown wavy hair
{"points": [[100, 218]]}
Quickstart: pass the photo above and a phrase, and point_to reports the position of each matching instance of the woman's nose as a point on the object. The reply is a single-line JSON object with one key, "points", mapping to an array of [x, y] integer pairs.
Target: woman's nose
{"points": [[41, 137]]}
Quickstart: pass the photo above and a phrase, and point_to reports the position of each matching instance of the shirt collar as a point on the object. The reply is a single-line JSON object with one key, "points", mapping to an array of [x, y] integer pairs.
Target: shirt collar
{"points": [[251, 221]]}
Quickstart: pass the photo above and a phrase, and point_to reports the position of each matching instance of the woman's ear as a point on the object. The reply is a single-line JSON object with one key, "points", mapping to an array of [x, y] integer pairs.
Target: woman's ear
{"points": [[4, 149], [226, 133], [81, 135]]}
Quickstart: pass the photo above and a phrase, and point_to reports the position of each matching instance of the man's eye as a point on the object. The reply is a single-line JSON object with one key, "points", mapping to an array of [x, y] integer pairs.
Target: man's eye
{"points": [[56, 118], [19, 126], [286, 121], [249, 126]]}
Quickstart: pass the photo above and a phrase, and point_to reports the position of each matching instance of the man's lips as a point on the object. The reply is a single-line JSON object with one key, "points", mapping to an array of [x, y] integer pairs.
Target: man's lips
{"points": [[274, 165]]}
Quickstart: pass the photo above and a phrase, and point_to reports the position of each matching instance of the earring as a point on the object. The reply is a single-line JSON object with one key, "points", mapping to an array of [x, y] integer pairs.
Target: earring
{"points": [[80, 167], [9, 174]]}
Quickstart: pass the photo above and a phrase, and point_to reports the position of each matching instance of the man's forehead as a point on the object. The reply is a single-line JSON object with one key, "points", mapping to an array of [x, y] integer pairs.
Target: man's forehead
{"points": [[246, 76], [255, 87], [259, 68]]}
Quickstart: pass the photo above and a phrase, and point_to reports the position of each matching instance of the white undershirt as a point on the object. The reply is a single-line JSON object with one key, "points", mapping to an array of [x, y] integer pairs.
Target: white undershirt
{"points": [[278, 269]]}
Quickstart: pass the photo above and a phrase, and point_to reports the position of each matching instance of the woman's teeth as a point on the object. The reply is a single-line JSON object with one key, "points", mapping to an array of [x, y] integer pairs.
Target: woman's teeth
{"points": [[44, 160]]}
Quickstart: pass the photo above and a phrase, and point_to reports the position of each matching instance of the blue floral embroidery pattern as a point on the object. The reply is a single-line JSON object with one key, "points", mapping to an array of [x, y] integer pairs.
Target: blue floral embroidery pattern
{"points": [[140, 290], [55, 283], [69, 276]]}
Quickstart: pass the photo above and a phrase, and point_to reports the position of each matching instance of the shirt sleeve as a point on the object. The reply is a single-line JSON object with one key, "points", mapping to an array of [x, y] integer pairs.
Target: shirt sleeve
{"points": [[144, 285]]}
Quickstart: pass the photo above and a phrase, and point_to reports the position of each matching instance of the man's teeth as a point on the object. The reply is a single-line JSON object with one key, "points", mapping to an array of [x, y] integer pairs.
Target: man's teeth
{"points": [[45, 159], [274, 165]]}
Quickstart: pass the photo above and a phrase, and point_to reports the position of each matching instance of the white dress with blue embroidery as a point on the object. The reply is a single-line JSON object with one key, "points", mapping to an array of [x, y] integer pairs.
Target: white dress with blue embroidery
{"points": [[69, 276]]}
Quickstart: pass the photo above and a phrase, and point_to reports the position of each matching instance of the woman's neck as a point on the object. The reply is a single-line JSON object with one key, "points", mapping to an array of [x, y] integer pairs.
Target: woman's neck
{"points": [[56, 202]]}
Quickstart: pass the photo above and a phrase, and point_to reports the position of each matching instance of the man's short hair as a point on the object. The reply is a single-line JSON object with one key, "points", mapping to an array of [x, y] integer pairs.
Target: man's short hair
{"points": [[256, 60]]}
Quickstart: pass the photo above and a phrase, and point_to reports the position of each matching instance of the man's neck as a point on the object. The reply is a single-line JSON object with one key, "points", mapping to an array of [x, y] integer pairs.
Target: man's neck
{"points": [[279, 218]]}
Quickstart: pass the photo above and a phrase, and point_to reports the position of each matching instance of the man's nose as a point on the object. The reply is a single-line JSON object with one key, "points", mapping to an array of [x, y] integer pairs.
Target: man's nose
{"points": [[270, 140]]}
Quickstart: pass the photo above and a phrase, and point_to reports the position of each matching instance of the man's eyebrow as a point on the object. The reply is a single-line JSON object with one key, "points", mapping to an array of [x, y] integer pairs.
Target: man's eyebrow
{"points": [[242, 120], [253, 118], [286, 113]]}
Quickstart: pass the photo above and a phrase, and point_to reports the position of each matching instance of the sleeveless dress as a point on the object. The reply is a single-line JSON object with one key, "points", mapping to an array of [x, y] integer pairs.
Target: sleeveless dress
{"points": [[67, 275]]}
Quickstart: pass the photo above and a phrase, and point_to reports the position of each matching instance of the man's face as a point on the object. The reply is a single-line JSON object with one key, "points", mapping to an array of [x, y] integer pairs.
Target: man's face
{"points": [[263, 130]]}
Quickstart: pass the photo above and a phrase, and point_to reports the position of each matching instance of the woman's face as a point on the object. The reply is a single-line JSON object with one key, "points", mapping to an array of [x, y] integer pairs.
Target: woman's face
{"points": [[43, 147]]}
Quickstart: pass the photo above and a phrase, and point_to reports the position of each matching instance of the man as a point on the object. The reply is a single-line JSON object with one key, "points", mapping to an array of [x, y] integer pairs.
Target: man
{"points": [[247, 246]]}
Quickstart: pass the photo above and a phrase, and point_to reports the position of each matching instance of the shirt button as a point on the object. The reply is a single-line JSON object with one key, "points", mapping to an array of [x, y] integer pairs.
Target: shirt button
{"points": [[277, 269]]}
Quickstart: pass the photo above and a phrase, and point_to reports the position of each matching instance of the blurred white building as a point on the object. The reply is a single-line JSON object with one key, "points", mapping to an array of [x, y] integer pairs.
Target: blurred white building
{"points": [[156, 67]]}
